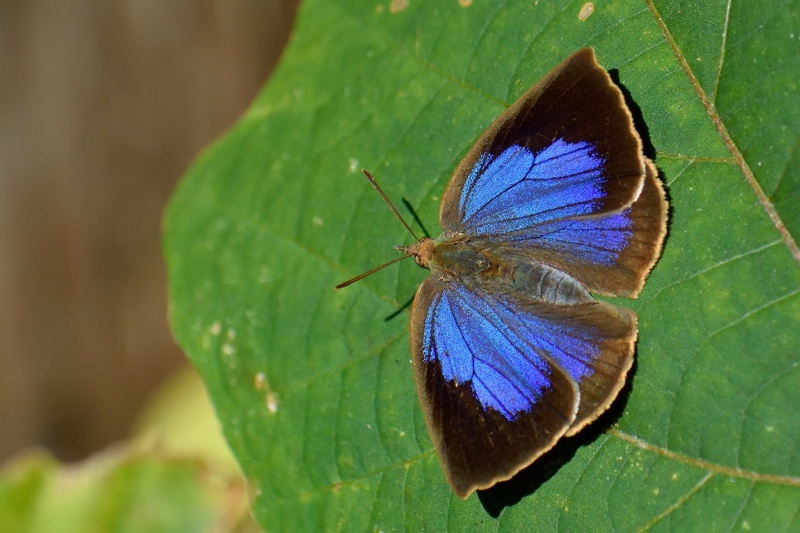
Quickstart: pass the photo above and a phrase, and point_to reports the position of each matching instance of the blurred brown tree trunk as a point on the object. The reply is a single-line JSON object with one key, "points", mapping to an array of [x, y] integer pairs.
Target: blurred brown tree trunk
{"points": [[102, 106]]}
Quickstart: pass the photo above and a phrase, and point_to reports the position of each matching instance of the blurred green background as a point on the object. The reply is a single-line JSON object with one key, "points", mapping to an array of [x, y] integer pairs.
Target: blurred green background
{"points": [[104, 105]]}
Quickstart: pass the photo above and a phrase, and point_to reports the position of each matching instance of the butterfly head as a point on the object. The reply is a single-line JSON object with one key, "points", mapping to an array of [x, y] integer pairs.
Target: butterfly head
{"points": [[422, 250]]}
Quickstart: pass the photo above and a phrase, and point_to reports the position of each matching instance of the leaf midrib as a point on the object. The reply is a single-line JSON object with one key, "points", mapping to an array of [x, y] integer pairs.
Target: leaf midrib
{"points": [[711, 109]]}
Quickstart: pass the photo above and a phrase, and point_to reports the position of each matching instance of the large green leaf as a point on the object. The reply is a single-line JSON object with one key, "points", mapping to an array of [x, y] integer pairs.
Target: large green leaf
{"points": [[314, 388]]}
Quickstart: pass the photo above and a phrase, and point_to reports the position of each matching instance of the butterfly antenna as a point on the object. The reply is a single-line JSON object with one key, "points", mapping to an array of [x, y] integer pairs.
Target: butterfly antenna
{"points": [[399, 216], [389, 202], [370, 272]]}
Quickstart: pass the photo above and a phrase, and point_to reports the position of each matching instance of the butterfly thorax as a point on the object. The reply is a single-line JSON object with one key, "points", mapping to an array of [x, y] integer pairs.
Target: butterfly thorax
{"points": [[449, 258], [477, 263]]}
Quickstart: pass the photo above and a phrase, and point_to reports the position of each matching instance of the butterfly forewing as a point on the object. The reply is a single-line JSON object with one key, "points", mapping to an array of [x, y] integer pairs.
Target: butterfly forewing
{"points": [[576, 117]]}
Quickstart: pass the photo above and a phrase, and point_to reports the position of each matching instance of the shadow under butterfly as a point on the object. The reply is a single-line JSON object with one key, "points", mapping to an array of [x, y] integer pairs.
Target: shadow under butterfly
{"points": [[555, 201]]}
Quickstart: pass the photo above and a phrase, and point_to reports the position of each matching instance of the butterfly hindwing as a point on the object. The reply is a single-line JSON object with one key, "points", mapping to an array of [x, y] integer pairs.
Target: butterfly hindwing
{"points": [[501, 377], [610, 254]]}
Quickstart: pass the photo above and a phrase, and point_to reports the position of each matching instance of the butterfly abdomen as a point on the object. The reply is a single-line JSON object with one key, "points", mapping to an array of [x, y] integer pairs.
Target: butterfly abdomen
{"points": [[474, 265], [544, 283]]}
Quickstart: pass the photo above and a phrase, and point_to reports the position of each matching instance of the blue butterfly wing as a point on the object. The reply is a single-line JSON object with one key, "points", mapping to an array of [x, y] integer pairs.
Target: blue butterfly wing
{"points": [[560, 176], [609, 253], [510, 359], [501, 376]]}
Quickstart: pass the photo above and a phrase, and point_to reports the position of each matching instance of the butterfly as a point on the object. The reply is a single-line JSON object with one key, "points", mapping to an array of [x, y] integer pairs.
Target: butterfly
{"points": [[554, 202]]}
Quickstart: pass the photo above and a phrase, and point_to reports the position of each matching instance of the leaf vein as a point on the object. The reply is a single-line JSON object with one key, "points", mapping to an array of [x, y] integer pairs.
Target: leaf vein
{"points": [[678, 503], [712, 468], [766, 204], [706, 270], [578, 479], [723, 42], [745, 499]]}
